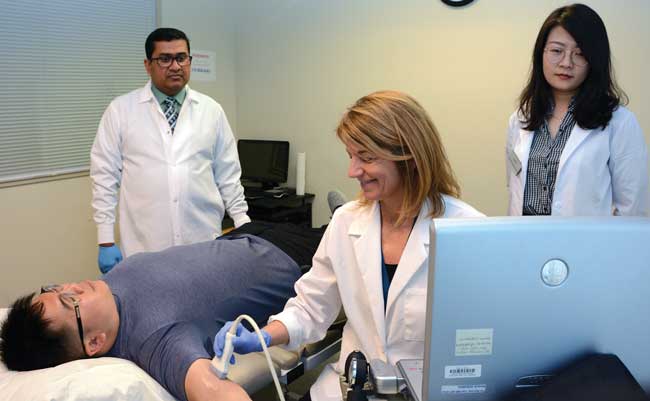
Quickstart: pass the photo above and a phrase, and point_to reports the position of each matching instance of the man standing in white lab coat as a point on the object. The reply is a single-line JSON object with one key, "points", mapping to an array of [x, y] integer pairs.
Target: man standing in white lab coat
{"points": [[170, 154]]}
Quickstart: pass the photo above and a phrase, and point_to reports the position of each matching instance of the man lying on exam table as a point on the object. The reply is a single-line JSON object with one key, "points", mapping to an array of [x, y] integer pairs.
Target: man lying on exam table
{"points": [[161, 310]]}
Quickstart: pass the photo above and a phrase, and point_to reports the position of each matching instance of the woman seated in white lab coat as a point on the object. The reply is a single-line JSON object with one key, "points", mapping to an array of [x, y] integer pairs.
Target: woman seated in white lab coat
{"points": [[373, 257], [572, 148]]}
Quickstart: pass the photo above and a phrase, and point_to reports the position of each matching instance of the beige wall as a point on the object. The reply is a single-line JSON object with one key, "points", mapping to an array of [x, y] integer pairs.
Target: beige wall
{"points": [[287, 69], [210, 26], [47, 236], [300, 63]]}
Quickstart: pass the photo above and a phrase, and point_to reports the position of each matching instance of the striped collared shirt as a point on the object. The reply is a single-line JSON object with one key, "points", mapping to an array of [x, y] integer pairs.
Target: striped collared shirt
{"points": [[543, 163]]}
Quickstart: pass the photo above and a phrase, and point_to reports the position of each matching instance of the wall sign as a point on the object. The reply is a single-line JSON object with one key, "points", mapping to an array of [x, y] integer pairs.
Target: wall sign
{"points": [[204, 65]]}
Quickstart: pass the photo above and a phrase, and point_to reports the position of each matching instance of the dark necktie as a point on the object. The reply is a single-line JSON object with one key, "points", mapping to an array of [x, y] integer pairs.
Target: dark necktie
{"points": [[171, 114]]}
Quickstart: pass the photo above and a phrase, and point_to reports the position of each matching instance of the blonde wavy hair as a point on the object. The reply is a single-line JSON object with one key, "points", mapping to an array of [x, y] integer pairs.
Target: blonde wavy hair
{"points": [[393, 126]]}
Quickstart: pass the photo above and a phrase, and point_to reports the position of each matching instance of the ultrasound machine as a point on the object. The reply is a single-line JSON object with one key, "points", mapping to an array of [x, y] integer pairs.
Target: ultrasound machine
{"points": [[511, 300]]}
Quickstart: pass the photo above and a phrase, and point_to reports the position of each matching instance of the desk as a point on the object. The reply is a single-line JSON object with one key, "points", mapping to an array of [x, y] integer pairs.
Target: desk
{"points": [[293, 208]]}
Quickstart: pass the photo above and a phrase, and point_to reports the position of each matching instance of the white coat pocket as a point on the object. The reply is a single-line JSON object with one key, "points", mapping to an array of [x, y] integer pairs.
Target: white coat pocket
{"points": [[415, 306]]}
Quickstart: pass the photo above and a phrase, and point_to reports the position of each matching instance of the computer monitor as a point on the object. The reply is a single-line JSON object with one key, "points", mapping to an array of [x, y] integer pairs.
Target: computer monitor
{"points": [[512, 299], [264, 162]]}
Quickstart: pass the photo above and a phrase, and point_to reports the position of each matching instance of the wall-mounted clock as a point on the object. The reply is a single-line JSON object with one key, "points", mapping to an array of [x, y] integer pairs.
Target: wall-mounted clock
{"points": [[457, 3]]}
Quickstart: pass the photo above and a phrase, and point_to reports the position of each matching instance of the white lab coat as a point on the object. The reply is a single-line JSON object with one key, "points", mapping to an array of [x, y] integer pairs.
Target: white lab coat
{"points": [[173, 189], [347, 271], [601, 172]]}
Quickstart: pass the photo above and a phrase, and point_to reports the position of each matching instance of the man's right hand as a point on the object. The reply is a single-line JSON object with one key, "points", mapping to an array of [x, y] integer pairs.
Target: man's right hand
{"points": [[109, 256]]}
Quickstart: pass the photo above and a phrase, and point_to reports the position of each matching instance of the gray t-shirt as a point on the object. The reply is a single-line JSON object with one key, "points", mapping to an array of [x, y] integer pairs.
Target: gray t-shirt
{"points": [[172, 303]]}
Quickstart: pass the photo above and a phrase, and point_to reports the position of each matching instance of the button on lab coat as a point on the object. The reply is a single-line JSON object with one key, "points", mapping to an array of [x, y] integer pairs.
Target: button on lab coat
{"points": [[347, 272], [173, 189], [601, 172]]}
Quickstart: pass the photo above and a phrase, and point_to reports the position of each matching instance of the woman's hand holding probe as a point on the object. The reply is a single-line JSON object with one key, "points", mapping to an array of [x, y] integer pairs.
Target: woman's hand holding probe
{"points": [[243, 341]]}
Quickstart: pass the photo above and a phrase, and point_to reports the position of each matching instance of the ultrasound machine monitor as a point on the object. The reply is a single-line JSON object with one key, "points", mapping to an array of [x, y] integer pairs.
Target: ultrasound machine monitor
{"points": [[510, 300]]}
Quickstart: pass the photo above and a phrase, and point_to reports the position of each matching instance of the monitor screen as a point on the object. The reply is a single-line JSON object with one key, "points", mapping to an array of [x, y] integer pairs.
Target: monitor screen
{"points": [[266, 162], [512, 300]]}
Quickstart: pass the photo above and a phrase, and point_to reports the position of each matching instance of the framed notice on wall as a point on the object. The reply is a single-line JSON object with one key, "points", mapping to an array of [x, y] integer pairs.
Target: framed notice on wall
{"points": [[204, 65]]}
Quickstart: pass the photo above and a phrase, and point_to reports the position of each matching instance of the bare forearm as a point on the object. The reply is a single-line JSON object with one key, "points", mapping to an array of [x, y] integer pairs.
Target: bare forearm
{"points": [[279, 333], [203, 385]]}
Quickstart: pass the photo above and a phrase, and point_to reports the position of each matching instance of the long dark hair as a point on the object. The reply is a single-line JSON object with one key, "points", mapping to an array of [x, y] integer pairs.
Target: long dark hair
{"points": [[598, 96]]}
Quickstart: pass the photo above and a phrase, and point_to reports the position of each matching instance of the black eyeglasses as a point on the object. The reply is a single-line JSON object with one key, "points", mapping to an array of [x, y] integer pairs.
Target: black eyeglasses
{"points": [[165, 60], [68, 298]]}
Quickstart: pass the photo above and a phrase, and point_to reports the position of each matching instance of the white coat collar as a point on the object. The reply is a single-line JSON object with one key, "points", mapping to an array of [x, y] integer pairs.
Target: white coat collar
{"points": [[365, 231], [578, 135], [146, 95], [413, 257], [522, 150]]}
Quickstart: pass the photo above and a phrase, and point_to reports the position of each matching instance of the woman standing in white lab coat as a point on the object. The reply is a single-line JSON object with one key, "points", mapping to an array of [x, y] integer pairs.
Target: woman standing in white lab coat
{"points": [[373, 257], [572, 148]]}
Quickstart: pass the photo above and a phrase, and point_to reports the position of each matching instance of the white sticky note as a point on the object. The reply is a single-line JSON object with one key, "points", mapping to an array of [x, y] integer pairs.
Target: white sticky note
{"points": [[462, 371], [473, 342], [463, 389]]}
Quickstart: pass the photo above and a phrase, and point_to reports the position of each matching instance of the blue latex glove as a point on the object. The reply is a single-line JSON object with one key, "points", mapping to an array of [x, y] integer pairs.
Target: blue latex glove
{"points": [[244, 342], [108, 257]]}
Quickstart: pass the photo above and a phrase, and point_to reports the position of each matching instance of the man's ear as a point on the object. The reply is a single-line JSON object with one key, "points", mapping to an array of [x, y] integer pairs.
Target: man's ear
{"points": [[147, 66], [95, 343]]}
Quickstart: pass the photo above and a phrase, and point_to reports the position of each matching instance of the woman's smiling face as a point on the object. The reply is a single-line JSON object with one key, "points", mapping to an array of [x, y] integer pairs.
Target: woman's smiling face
{"points": [[379, 178]]}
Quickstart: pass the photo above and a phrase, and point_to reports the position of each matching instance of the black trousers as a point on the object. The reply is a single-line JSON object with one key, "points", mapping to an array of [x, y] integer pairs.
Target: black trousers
{"points": [[299, 242]]}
